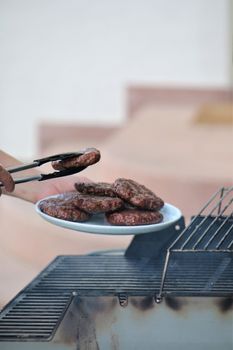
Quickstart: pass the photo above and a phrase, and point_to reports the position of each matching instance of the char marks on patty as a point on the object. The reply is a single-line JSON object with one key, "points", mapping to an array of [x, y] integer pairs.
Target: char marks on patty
{"points": [[96, 188], [62, 209], [133, 217], [97, 204], [137, 195]]}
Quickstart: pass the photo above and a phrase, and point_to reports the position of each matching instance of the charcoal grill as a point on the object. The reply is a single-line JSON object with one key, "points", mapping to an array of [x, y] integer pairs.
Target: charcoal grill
{"points": [[170, 289]]}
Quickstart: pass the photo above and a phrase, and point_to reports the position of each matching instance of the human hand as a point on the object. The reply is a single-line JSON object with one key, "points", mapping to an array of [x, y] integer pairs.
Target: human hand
{"points": [[56, 186], [35, 190], [6, 180]]}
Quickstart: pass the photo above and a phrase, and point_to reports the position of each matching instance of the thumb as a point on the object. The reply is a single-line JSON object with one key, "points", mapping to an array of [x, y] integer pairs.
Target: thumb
{"points": [[6, 179]]}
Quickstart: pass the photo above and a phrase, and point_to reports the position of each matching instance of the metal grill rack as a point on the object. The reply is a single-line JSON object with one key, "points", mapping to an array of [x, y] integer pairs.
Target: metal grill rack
{"points": [[209, 232]]}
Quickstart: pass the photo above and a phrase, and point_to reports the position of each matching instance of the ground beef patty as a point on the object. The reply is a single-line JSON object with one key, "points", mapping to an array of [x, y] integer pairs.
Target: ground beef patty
{"points": [[97, 204], [60, 209], [137, 195], [133, 217], [96, 188], [90, 156]]}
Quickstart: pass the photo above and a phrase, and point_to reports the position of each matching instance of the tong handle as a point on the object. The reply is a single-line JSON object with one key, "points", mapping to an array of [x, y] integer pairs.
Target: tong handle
{"points": [[41, 161], [54, 175], [61, 173], [22, 167], [27, 179]]}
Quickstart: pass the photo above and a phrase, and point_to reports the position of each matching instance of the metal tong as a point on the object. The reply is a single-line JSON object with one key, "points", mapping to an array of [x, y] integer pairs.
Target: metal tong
{"points": [[39, 162]]}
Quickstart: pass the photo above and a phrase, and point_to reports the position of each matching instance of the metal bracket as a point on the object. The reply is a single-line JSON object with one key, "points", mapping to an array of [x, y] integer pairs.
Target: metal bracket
{"points": [[123, 300]]}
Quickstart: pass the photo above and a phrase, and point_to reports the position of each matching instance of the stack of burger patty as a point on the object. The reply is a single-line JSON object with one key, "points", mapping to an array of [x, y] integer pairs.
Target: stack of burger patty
{"points": [[125, 202]]}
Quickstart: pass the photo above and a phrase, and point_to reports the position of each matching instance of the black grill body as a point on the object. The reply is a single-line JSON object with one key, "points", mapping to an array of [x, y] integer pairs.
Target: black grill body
{"points": [[107, 301]]}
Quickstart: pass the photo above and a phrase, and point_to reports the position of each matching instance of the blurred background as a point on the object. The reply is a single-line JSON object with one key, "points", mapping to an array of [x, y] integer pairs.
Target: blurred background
{"points": [[148, 83]]}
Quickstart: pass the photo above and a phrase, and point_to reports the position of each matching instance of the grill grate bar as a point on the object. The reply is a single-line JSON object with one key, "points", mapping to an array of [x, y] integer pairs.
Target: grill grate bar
{"points": [[32, 313], [27, 322], [29, 317], [27, 334], [25, 327], [21, 337]]}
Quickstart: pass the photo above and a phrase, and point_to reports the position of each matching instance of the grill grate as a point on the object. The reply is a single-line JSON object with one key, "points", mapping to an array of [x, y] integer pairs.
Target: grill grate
{"points": [[185, 276], [33, 316], [38, 310], [101, 275], [212, 228]]}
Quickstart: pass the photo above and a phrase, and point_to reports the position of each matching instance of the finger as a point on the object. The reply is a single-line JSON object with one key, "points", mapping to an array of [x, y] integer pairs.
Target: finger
{"points": [[6, 180], [81, 179]]}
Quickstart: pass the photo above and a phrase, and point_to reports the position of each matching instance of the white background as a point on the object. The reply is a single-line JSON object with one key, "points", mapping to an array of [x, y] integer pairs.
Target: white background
{"points": [[71, 60]]}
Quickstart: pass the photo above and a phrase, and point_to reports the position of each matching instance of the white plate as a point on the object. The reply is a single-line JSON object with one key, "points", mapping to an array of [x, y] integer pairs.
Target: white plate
{"points": [[98, 224]]}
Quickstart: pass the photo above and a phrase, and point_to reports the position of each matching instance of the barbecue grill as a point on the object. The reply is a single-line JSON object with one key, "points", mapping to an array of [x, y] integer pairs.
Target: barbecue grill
{"points": [[169, 289]]}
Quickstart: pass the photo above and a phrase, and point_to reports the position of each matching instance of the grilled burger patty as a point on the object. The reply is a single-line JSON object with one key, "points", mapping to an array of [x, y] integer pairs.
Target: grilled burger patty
{"points": [[60, 209], [137, 195], [84, 202], [133, 217], [96, 204], [90, 156], [96, 188]]}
